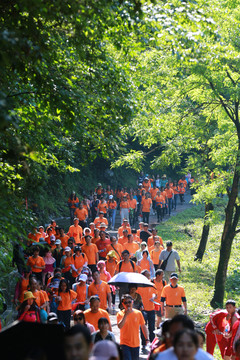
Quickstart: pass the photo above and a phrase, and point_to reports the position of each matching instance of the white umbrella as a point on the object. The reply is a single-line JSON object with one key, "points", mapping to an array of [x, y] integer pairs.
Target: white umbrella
{"points": [[124, 278]]}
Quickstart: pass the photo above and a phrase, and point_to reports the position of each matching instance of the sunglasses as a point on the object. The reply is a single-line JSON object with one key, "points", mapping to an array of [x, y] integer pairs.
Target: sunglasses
{"points": [[78, 318], [127, 302]]}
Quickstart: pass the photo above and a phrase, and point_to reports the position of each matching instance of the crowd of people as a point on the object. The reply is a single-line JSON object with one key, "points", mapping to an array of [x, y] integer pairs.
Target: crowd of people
{"points": [[64, 279]]}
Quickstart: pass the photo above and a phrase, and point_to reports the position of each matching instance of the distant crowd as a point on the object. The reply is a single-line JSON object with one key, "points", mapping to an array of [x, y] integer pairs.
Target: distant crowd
{"points": [[65, 274]]}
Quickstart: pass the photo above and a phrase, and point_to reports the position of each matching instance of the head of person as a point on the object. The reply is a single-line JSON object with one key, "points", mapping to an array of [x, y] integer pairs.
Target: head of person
{"points": [[71, 242], [96, 233], [79, 317], [94, 304], [87, 239], [86, 231], [33, 284], [67, 251], [125, 255], [41, 229], [178, 323], [134, 231], [101, 265], [82, 279], [102, 235], [146, 273], [230, 306], [77, 343], [125, 232], [126, 301], [154, 231], [105, 350], [201, 338], [185, 344], [169, 245], [52, 318], [58, 243], [35, 250], [124, 198], [143, 245], [145, 254], [103, 324], [113, 239], [125, 222], [159, 274], [63, 286], [156, 243], [130, 238], [96, 275], [57, 272], [28, 298], [111, 256], [132, 288], [101, 213], [75, 221], [77, 250], [61, 230], [141, 225], [145, 226], [174, 279], [92, 226]]}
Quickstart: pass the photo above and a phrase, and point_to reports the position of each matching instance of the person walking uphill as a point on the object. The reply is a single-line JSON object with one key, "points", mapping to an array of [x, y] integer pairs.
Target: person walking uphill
{"points": [[167, 260]]}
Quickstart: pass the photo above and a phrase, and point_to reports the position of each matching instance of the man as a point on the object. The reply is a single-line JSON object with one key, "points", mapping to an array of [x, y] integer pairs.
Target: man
{"points": [[63, 237], [94, 207], [124, 238], [77, 343], [174, 297], [146, 207], [131, 245], [132, 210], [102, 244], [101, 289], [154, 237], [153, 192], [36, 263], [75, 231], [79, 259], [178, 323], [125, 265], [125, 226], [170, 196], [171, 256], [129, 320], [93, 314], [103, 206], [114, 245], [100, 219], [82, 214], [145, 233], [124, 209], [160, 205], [234, 317], [91, 251], [148, 294], [159, 284]]}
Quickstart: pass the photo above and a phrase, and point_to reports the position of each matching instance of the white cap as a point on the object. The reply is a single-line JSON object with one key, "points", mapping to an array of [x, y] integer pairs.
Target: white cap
{"points": [[67, 248], [110, 197], [104, 350], [83, 277]]}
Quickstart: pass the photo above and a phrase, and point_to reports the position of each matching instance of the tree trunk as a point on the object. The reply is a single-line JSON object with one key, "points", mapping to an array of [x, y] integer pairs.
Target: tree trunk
{"points": [[205, 233], [229, 232]]}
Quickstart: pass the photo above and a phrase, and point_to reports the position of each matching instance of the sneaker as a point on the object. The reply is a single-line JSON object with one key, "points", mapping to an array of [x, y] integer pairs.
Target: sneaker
{"points": [[144, 350]]}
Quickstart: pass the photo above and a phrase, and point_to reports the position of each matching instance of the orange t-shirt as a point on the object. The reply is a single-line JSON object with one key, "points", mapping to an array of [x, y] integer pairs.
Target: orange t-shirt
{"points": [[151, 241], [182, 190], [155, 255], [35, 261], [94, 240], [146, 185], [126, 267], [176, 189], [169, 193], [146, 204], [112, 204], [144, 264], [67, 298], [92, 318], [81, 214], [23, 287], [111, 267], [118, 248], [101, 290], [153, 193], [91, 251], [131, 247], [159, 286], [146, 294], [122, 240], [64, 240], [78, 262], [81, 293], [184, 182], [76, 233], [124, 205], [173, 296], [136, 238], [164, 195], [129, 333], [103, 207], [121, 228], [98, 222], [133, 203], [160, 200]]}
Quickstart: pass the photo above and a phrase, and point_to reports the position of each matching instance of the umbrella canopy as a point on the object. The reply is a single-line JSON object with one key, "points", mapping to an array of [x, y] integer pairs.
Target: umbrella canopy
{"points": [[124, 278]]}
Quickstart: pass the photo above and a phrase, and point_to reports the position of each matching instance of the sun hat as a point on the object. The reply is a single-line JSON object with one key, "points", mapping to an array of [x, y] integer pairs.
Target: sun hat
{"points": [[67, 248], [28, 295], [111, 254], [83, 277], [58, 241]]}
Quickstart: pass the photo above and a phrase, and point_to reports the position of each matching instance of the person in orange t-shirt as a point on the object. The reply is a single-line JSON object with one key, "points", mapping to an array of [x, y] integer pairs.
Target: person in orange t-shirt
{"points": [[129, 334], [82, 214], [183, 181], [170, 196], [151, 240], [36, 263], [136, 238], [131, 246], [93, 314], [160, 205], [125, 226], [111, 262], [126, 265], [64, 238], [73, 203], [148, 294], [123, 239], [103, 206], [146, 207], [75, 231], [176, 193], [79, 260], [64, 299], [159, 284], [140, 229], [153, 192], [91, 251], [100, 219], [132, 210], [155, 253], [164, 195], [124, 209], [116, 247], [101, 289], [146, 184], [181, 193]]}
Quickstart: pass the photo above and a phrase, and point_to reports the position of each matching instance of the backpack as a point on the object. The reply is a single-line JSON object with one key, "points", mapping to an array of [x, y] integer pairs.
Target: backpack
{"points": [[120, 265]]}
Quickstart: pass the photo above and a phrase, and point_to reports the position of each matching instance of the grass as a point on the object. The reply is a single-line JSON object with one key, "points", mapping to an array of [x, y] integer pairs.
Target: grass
{"points": [[184, 230]]}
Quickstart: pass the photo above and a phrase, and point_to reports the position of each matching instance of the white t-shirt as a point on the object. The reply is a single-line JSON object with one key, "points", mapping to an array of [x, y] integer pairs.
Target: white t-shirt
{"points": [[169, 354], [171, 260]]}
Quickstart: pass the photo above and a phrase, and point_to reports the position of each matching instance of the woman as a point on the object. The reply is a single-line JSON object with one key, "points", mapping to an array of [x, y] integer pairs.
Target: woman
{"points": [[50, 264], [185, 344], [124, 209], [28, 310], [79, 318], [64, 298], [146, 263], [103, 333], [104, 275], [112, 208], [66, 264], [73, 203]]}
